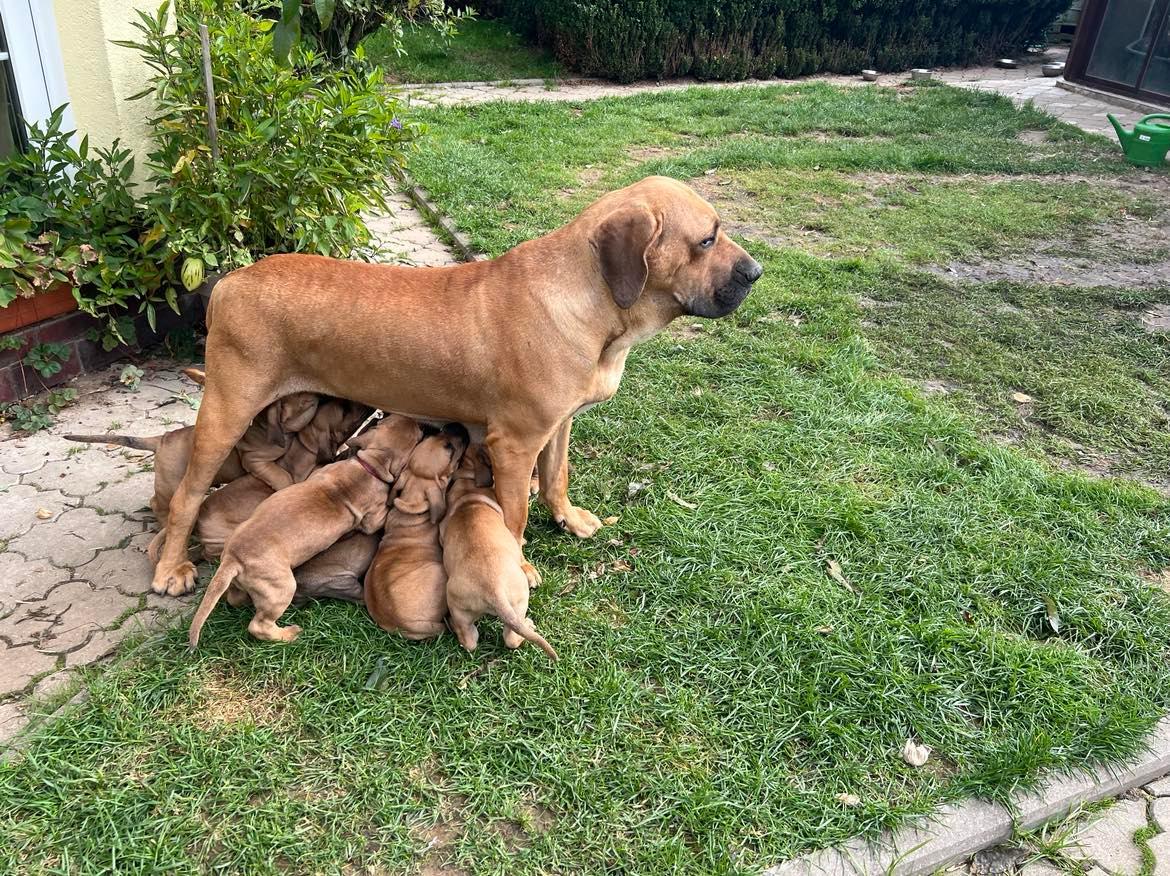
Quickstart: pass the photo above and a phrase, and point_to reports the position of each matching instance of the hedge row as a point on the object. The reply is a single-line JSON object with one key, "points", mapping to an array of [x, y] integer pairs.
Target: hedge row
{"points": [[736, 39]]}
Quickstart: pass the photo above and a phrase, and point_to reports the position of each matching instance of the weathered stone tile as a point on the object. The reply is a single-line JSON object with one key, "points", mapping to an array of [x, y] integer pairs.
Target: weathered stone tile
{"points": [[23, 580], [18, 510], [75, 537], [13, 719], [1109, 839], [20, 666], [81, 609]]}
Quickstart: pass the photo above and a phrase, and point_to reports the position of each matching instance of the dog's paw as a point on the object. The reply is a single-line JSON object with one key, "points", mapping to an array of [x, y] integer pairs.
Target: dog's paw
{"points": [[176, 581], [531, 574], [578, 521]]}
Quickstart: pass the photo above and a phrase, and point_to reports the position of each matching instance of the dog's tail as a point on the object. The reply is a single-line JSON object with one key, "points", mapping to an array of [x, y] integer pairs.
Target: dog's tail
{"points": [[151, 443], [224, 575], [524, 627], [195, 375]]}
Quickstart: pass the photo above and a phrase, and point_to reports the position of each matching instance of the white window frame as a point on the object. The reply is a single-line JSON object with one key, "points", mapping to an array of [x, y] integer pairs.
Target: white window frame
{"points": [[35, 56]]}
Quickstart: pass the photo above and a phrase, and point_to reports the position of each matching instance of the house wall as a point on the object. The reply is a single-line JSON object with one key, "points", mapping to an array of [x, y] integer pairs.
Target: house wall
{"points": [[101, 76]]}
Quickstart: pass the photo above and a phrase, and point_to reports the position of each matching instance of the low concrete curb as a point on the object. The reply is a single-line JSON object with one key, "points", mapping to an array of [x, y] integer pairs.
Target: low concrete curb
{"points": [[422, 201], [1108, 97], [960, 830]]}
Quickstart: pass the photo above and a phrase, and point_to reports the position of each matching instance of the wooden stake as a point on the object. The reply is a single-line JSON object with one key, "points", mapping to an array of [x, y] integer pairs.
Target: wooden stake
{"points": [[212, 126]]}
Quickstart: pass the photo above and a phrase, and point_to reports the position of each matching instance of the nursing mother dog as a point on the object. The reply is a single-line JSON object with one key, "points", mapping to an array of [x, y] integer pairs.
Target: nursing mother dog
{"points": [[512, 347]]}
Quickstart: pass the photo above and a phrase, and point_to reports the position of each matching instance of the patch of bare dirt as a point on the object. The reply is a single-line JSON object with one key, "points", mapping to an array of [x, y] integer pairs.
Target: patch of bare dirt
{"points": [[1157, 318], [1033, 137], [1158, 577], [649, 153], [224, 700]]}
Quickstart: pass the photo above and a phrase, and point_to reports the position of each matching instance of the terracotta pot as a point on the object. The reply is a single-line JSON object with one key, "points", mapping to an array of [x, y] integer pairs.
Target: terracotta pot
{"points": [[26, 311]]}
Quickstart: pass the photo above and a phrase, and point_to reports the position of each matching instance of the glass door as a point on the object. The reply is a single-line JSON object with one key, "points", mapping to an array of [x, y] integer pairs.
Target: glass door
{"points": [[1132, 47], [11, 127]]}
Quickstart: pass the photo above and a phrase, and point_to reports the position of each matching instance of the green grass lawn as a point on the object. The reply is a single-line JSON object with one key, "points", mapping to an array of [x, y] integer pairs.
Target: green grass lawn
{"points": [[723, 701], [483, 50]]}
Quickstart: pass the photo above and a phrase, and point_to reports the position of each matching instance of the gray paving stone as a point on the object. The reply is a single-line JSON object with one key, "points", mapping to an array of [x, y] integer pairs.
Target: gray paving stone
{"points": [[81, 609], [13, 719], [20, 666], [101, 644], [22, 580], [129, 496], [75, 537], [53, 684], [1160, 809], [127, 570], [80, 475], [1160, 846], [1160, 788], [18, 510], [1109, 839]]}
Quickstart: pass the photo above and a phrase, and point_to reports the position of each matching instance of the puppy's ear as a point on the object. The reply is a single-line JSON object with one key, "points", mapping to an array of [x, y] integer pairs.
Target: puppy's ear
{"points": [[410, 496], [622, 242], [483, 468], [437, 499]]}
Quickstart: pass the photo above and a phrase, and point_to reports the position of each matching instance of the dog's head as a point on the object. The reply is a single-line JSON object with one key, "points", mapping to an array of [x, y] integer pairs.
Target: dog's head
{"points": [[657, 239], [388, 444], [423, 484]]}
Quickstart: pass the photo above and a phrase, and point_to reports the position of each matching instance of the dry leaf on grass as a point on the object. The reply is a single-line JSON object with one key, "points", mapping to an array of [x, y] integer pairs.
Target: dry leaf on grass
{"points": [[678, 500], [914, 754], [609, 521], [849, 799], [634, 488], [834, 570], [1052, 613], [1021, 398]]}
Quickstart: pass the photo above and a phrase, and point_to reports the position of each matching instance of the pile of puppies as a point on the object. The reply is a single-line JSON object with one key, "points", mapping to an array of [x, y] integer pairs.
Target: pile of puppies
{"points": [[297, 519]]}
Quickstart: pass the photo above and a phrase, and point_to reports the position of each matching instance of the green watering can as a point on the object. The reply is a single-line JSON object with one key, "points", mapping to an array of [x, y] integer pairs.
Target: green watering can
{"points": [[1149, 141]]}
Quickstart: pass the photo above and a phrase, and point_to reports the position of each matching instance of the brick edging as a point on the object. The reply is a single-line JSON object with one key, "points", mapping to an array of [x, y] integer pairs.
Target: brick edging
{"points": [[435, 216], [962, 829]]}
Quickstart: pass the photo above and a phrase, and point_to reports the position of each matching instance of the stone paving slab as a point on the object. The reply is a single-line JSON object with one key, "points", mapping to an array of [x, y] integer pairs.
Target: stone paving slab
{"points": [[74, 520]]}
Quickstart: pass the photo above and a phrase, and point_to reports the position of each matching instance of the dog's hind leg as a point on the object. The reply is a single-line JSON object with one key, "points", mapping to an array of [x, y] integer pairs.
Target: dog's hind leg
{"points": [[224, 414], [271, 597]]}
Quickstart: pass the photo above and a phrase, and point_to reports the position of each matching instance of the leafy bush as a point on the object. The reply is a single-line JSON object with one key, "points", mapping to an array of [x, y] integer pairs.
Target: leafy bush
{"points": [[336, 27], [735, 39], [69, 215], [303, 149]]}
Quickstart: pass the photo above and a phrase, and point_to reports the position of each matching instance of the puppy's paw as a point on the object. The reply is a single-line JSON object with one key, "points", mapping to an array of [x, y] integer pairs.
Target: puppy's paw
{"points": [[176, 580], [533, 486], [578, 521], [531, 574]]}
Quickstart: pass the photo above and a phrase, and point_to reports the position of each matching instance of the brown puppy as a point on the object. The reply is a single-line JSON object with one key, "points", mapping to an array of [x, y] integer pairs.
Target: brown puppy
{"points": [[485, 568], [513, 346], [337, 572], [295, 524], [266, 440], [406, 586], [316, 444]]}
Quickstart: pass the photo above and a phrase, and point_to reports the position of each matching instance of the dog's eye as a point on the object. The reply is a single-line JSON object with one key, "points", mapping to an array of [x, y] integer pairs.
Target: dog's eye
{"points": [[708, 243]]}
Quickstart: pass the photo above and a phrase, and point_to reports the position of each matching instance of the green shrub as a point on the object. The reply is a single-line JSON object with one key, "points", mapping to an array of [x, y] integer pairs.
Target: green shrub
{"points": [[735, 39], [336, 27], [303, 149], [69, 215]]}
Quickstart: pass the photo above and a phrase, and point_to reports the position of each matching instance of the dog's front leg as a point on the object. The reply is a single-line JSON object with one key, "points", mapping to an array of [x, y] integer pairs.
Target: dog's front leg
{"points": [[512, 461], [554, 486], [224, 415]]}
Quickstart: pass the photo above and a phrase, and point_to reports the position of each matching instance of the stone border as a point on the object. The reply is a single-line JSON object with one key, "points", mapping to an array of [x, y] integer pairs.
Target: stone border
{"points": [[500, 83], [1140, 106], [421, 199], [960, 830]]}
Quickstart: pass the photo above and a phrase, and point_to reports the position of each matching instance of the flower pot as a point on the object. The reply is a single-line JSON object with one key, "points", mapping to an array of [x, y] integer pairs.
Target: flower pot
{"points": [[46, 305]]}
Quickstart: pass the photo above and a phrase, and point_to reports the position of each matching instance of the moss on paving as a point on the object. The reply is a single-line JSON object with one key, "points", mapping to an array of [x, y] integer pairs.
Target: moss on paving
{"points": [[721, 699]]}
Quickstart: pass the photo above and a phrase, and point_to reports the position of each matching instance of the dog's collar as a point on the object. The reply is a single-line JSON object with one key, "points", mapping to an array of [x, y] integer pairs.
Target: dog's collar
{"points": [[373, 473]]}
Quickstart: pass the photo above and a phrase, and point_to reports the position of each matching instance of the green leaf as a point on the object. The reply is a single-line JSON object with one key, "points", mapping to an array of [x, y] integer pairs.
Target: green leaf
{"points": [[284, 37], [324, 9]]}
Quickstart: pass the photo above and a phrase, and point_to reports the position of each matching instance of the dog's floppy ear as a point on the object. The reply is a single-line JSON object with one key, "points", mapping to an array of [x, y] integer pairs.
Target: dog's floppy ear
{"points": [[622, 242]]}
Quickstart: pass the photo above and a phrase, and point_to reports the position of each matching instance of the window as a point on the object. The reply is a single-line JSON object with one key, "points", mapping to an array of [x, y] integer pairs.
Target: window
{"points": [[11, 127]]}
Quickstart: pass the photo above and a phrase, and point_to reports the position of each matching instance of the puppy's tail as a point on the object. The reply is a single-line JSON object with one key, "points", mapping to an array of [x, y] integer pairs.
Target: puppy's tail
{"points": [[224, 575], [523, 626], [151, 443], [196, 375]]}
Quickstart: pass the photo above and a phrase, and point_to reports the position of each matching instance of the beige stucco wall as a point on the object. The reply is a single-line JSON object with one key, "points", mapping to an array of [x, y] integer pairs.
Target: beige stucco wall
{"points": [[102, 76]]}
